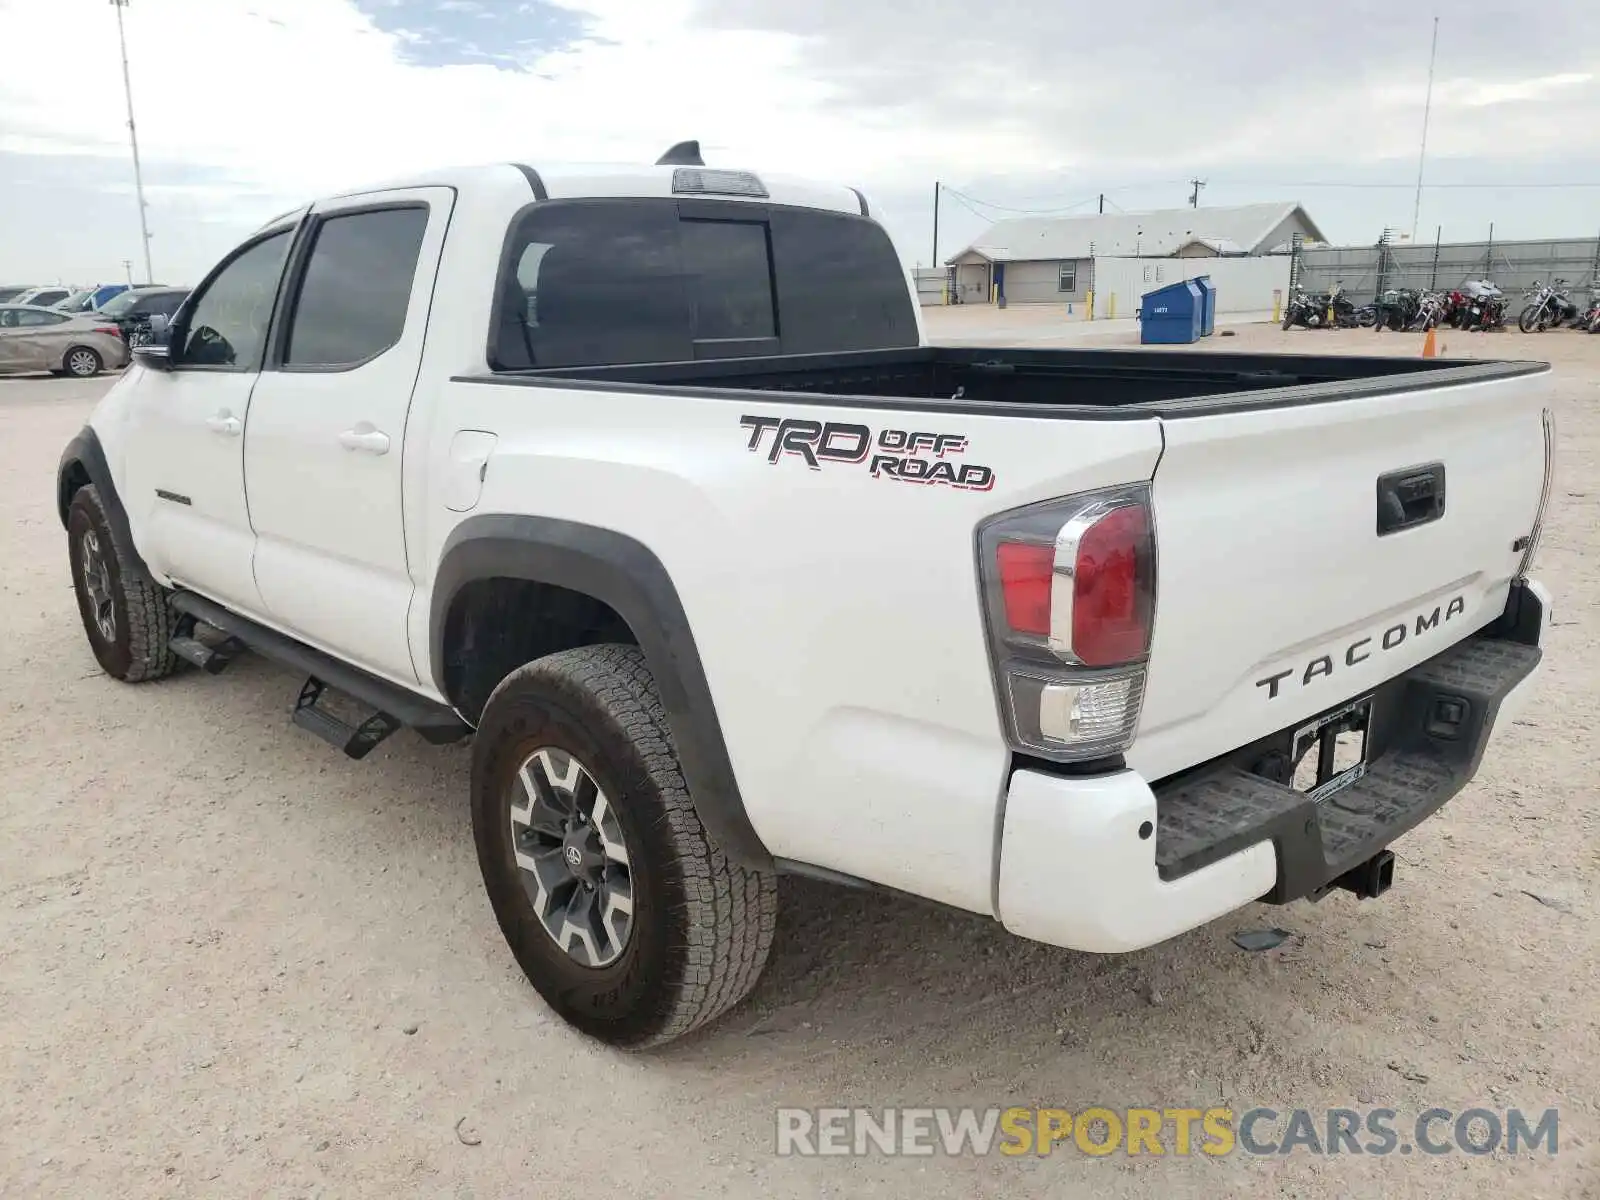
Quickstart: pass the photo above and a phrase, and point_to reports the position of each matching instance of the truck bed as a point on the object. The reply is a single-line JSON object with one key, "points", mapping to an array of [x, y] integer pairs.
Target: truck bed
{"points": [[1076, 382]]}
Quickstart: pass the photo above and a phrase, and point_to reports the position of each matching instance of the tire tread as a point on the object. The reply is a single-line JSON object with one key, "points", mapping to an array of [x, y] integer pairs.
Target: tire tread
{"points": [[731, 910], [149, 614]]}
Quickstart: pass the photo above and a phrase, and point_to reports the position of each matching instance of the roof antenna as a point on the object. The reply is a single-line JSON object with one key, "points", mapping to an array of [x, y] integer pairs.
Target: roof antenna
{"points": [[684, 154]]}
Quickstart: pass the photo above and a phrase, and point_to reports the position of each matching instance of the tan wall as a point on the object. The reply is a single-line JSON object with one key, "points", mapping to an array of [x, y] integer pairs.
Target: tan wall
{"points": [[972, 279], [1039, 283]]}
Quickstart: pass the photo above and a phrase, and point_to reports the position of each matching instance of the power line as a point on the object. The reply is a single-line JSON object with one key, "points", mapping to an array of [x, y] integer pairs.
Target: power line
{"points": [[1488, 187], [1307, 185], [1013, 209]]}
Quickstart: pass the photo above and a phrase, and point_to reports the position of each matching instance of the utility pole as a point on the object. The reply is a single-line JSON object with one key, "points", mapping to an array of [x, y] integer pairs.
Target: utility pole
{"points": [[1427, 108], [935, 262], [127, 266], [133, 138], [1194, 196], [1102, 204]]}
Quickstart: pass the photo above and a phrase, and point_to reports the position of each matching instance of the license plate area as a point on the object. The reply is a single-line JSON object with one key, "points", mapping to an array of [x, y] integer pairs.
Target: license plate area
{"points": [[1330, 753]]}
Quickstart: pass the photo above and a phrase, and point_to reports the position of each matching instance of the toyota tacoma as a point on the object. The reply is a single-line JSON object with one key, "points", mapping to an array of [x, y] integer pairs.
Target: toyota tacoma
{"points": [[648, 481]]}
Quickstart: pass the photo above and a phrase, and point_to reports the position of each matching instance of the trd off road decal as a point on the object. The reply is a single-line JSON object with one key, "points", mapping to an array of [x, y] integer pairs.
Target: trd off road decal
{"points": [[902, 454]]}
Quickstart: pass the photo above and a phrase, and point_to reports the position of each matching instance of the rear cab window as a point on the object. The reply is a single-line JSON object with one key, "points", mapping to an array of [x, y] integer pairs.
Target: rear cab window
{"points": [[352, 301], [607, 282]]}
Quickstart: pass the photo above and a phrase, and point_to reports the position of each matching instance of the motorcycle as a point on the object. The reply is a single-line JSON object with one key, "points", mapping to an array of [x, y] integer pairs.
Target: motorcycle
{"points": [[1483, 306], [1320, 310], [1548, 307], [1433, 309], [1589, 319], [1398, 309]]}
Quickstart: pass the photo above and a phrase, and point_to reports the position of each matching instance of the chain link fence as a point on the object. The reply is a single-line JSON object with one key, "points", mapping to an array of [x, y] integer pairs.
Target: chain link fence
{"points": [[1366, 271]]}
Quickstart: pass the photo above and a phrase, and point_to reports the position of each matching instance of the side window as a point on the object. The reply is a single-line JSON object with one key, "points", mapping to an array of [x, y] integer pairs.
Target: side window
{"points": [[356, 289], [728, 269], [593, 283], [228, 325], [27, 318]]}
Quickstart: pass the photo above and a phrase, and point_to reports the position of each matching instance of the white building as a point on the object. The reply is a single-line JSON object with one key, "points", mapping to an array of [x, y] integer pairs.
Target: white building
{"points": [[1037, 259]]}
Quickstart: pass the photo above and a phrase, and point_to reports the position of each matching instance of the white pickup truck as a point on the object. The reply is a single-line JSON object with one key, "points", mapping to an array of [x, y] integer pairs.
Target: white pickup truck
{"points": [[648, 481]]}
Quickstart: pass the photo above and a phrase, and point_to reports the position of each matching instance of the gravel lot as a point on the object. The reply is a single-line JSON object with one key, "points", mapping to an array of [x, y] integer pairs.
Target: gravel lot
{"points": [[234, 963]]}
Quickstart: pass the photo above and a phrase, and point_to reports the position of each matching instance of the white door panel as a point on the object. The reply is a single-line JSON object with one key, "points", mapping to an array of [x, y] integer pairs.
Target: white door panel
{"points": [[185, 438], [185, 488], [323, 446]]}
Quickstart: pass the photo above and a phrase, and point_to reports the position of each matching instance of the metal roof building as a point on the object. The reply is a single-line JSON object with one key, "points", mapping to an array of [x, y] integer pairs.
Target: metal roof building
{"points": [[1049, 258]]}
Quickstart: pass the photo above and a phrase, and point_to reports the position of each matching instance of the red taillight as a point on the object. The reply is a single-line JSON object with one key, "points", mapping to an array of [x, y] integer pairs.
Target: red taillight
{"points": [[1069, 595], [112, 330], [1025, 585], [1111, 600]]}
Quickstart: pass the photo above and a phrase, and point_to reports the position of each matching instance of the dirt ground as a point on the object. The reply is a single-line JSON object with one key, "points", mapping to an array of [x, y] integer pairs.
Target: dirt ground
{"points": [[234, 963]]}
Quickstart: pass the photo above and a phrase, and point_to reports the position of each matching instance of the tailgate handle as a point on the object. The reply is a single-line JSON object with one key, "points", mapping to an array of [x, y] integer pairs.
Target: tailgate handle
{"points": [[1410, 497]]}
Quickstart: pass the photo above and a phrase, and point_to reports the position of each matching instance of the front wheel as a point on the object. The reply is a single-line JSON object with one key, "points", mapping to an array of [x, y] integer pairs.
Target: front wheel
{"points": [[624, 916], [126, 616], [1527, 318]]}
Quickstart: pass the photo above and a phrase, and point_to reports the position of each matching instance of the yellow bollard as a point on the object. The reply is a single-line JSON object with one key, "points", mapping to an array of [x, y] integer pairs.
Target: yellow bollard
{"points": [[1111, 309], [1277, 307]]}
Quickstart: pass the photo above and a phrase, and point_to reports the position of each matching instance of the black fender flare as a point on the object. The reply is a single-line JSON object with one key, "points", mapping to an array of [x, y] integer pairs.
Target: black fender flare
{"points": [[627, 575], [85, 457]]}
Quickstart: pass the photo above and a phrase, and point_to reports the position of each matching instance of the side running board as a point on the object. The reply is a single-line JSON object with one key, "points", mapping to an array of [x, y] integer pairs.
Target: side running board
{"points": [[393, 706]]}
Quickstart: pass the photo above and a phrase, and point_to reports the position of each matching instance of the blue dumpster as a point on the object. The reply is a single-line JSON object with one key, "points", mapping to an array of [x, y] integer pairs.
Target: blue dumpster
{"points": [[1170, 316], [1208, 293]]}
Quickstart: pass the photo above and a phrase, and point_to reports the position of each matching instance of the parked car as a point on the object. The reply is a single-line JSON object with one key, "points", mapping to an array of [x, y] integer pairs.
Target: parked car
{"points": [[133, 309], [1142, 641], [41, 339], [90, 299], [10, 291], [41, 297]]}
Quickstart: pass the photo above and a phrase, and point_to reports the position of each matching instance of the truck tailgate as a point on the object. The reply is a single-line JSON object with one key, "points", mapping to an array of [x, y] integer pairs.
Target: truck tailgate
{"points": [[1308, 553]]}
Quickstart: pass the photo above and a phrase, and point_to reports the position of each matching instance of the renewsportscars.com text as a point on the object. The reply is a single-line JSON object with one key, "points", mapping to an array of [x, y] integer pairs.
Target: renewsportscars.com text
{"points": [[1100, 1131]]}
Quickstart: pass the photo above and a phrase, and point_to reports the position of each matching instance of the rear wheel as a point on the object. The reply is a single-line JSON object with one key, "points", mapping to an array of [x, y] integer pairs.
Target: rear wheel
{"points": [[82, 362], [126, 617], [624, 916]]}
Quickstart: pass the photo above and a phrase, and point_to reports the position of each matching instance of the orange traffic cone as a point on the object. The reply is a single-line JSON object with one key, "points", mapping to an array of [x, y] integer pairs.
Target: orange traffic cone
{"points": [[1430, 348]]}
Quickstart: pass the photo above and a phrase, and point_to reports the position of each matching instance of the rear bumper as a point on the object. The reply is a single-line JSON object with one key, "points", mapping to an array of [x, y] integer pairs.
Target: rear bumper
{"points": [[1109, 864]]}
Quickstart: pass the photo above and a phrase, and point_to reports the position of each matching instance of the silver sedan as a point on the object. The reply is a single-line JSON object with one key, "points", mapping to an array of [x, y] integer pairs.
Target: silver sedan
{"points": [[41, 339]]}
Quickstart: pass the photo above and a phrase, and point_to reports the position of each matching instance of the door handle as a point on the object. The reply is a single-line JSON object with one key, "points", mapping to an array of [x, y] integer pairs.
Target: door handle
{"points": [[1410, 497], [365, 437], [225, 423]]}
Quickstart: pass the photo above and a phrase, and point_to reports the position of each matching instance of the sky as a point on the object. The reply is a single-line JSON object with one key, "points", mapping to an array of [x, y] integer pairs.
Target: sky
{"points": [[247, 108]]}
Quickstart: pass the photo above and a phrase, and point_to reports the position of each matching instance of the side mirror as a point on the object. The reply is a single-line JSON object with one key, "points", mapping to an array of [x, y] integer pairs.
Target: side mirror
{"points": [[154, 356]]}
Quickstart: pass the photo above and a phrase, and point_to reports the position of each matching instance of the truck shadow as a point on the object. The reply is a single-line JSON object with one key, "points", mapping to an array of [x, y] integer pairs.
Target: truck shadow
{"points": [[857, 975], [867, 976]]}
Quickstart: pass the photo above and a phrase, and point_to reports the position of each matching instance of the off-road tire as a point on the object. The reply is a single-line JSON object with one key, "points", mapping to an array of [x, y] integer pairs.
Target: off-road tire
{"points": [[701, 927], [138, 651]]}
